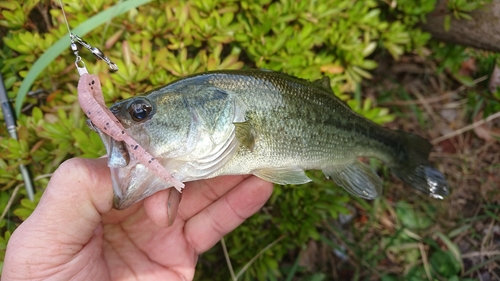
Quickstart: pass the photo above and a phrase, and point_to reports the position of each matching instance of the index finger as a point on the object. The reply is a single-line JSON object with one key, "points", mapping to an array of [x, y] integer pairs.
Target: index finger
{"points": [[207, 227], [199, 194]]}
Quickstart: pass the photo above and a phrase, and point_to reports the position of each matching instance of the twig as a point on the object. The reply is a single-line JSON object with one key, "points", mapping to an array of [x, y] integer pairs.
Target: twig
{"points": [[14, 193], [466, 128], [257, 256], [48, 175], [487, 237], [423, 101], [479, 265], [425, 261], [11, 200], [228, 260], [412, 234], [433, 99], [416, 102], [45, 17], [352, 254], [480, 254]]}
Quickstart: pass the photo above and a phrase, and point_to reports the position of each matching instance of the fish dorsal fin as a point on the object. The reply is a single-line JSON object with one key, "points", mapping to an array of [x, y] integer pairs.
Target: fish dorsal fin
{"points": [[245, 134], [357, 178], [324, 83], [285, 175]]}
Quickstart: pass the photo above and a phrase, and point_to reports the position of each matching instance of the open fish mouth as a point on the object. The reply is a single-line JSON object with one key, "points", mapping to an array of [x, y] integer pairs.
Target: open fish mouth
{"points": [[131, 180]]}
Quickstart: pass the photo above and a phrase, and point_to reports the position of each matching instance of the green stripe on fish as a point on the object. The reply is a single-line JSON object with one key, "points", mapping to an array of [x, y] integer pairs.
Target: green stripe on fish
{"points": [[268, 124]]}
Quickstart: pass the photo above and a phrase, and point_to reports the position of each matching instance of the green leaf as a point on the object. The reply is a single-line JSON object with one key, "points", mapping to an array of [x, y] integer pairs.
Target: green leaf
{"points": [[445, 263], [368, 50], [10, 5], [410, 217], [465, 80], [452, 247], [23, 213]]}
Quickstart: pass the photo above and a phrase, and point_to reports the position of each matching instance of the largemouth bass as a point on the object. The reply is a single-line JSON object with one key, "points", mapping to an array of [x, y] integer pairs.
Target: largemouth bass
{"points": [[258, 122]]}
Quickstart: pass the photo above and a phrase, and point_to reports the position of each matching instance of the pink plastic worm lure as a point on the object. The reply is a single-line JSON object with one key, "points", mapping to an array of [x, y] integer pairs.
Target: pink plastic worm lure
{"points": [[92, 103]]}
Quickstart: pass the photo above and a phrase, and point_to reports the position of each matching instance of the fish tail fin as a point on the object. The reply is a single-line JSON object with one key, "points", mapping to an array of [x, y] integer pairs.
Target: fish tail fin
{"points": [[412, 166]]}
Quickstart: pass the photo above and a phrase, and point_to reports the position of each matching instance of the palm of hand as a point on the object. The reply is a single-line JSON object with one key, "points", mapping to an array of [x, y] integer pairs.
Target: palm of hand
{"points": [[137, 246]]}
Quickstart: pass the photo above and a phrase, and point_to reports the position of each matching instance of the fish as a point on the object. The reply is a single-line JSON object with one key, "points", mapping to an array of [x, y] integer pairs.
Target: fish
{"points": [[266, 123]]}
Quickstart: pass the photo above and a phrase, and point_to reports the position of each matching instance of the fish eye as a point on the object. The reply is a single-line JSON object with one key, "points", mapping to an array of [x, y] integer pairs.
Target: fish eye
{"points": [[140, 110]]}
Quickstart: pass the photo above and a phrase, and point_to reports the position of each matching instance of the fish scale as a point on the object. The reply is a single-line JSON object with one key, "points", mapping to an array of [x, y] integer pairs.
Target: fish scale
{"points": [[268, 124], [296, 119]]}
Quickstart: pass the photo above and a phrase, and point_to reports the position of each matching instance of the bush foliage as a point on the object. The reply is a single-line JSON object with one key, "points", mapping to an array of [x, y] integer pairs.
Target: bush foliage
{"points": [[163, 40]]}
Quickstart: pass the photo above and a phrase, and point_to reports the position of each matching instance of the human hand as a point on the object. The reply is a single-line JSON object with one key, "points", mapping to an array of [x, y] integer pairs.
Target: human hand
{"points": [[75, 234]]}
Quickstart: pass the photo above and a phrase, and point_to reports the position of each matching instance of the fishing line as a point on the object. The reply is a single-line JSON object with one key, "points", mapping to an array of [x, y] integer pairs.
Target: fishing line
{"points": [[80, 65], [65, 18]]}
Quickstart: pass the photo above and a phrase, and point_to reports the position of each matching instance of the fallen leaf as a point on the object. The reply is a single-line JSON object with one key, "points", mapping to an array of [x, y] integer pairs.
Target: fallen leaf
{"points": [[308, 257], [450, 114], [482, 131], [468, 67], [331, 68], [53, 95], [494, 80]]}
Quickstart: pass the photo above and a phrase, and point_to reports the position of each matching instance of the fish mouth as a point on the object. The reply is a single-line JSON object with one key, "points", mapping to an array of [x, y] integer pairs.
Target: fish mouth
{"points": [[131, 180]]}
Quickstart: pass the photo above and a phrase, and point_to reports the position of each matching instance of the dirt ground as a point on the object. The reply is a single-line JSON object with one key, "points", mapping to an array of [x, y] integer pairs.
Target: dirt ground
{"points": [[466, 150]]}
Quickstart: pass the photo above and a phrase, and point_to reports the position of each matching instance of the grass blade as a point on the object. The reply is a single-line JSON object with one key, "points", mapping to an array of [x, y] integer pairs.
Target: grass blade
{"points": [[452, 247], [293, 270], [248, 264], [63, 44]]}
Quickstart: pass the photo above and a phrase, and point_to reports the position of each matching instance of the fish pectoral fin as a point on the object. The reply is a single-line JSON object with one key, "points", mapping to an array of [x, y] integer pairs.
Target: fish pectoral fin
{"points": [[357, 178], [245, 134], [287, 175]]}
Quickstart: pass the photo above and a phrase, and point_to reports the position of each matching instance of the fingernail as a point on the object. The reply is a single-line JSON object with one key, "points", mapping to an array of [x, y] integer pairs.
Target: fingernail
{"points": [[174, 199]]}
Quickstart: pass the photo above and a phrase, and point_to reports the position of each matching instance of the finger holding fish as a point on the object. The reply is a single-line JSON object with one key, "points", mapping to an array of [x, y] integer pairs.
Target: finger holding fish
{"points": [[162, 207]]}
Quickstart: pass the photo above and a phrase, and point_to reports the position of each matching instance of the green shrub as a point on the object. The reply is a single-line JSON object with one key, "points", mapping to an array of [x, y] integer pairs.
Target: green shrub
{"points": [[161, 41]]}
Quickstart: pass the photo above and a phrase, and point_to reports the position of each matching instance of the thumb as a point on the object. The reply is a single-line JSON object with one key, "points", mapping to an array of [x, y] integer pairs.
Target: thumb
{"points": [[76, 196], [68, 213]]}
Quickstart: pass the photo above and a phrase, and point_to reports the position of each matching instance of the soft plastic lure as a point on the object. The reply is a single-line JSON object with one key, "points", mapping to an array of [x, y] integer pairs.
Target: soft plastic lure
{"points": [[92, 103]]}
